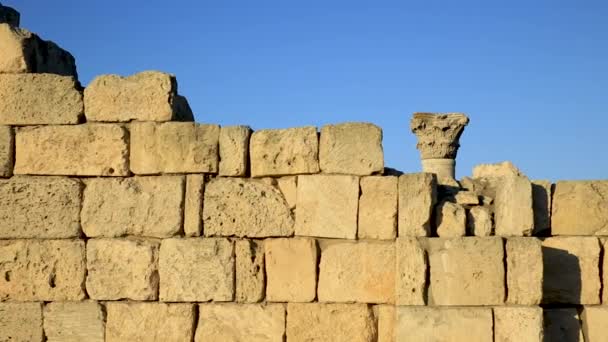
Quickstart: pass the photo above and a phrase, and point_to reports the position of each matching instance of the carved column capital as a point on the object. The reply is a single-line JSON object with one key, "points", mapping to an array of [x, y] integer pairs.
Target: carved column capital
{"points": [[438, 134]]}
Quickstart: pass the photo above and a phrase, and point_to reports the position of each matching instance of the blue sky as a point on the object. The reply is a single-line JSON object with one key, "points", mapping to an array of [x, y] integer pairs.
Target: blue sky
{"points": [[531, 75]]}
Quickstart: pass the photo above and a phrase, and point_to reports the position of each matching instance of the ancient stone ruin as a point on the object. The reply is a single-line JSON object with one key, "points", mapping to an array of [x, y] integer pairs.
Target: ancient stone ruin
{"points": [[123, 220]]}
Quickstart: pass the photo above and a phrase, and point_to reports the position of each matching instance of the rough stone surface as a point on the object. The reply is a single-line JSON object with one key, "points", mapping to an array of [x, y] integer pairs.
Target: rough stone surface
{"points": [[143, 322], [330, 322], [378, 208], [524, 271], [518, 324], [594, 323], [42, 270], [21, 322], [110, 277], [277, 152], [351, 148], [444, 324], [411, 270], [604, 243], [250, 271], [144, 206], [386, 315], [562, 324], [451, 220], [291, 270], [289, 188], [479, 221], [464, 197], [196, 270], [9, 16], [74, 322], [234, 150], [502, 169], [82, 150], [245, 208], [417, 197], [438, 134], [40, 207], [174, 147], [7, 151], [541, 200], [193, 205], [248, 322], [513, 213], [580, 208]]}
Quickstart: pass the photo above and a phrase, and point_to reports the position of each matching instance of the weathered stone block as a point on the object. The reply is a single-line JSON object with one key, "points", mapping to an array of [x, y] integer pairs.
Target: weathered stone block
{"points": [[479, 221], [74, 322], [417, 197], [9, 16], [524, 271], [7, 151], [250, 271], [451, 220], [193, 205], [444, 324], [351, 148], [562, 324], [594, 320], [502, 169], [541, 200], [386, 315], [327, 206], [291, 270], [245, 322], [21, 322], [277, 152], [378, 208], [234, 150], [604, 243], [289, 188], [518, 324], [122, 269], [82, 150], [580, 208], [196, 270], [411, 272], [466, 198], [513, 207]]}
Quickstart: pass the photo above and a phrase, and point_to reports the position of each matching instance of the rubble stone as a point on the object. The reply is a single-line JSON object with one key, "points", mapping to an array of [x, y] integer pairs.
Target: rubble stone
{"points": [[580, 208], [451, 220], [444, 324], [479, 221], [351, 148], [502, 169], [74, 321], [378, 208], [234, 150], [291, 270], [417, 197], [247, 322]]}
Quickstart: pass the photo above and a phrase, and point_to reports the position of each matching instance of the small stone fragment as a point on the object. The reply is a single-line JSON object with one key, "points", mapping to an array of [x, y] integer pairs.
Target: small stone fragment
{"points": [[451, 220], [518, 324], [594, 323], [513, 213], [502, 169], [291, 270], [444, 324], [7, 151], [193, 205], [378, 208], [580, 208], [524, 271], [464, 197], [74, 321], [21, 322], [250, 271], [234, 150], [479, 221], [411, 272], [417, 197], [562, 324], [245, 322]]}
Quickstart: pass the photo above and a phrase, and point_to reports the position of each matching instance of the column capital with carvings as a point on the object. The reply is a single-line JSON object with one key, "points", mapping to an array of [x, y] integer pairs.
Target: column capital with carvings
{"points": [[438, 134]]}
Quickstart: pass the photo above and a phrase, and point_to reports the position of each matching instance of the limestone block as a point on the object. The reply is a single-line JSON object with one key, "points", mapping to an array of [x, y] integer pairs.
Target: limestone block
{"points": [[524, 271], [541, 200], [7, 151], [42, 270], [9, 15], [502, 169], [245, 322], [277, 152], [571, 270], [417, 197], [580, 208], [144, 322], [411, 272], [378, 208], [193, 205], [351, 148], [479, 221], [459, 265], [386, 315], [330, 322], [562, 324], [327, 206], [174, 147], [451, 220], [594, 323], [245, 208], [21, 322], [122, 269], [40, 207], [464, 197], [513, 213], [444, 324], [291, 270], [289, 188], [196, 270], [83, 150], [250, 271], [234, 150], [74, 322], [604, 243], [518, 324]]}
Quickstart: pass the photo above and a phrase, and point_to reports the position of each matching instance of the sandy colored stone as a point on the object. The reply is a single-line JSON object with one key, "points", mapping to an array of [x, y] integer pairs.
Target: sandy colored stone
{"points": [[604, 243], [451, 220], [330, 322], [291, 270], [196, 270], [289, 188], [594, 320], [444, 324], [541, 201], [234, 150], [245, 208], [7, 151], [479, 221], [466, 198], [386, 315], [378, 208], [74, 322], [150, 322], [562, 324], [524, 271], [571, 270], [438, 134], [250, 271], [122, 269], [21, 322], [411, 267], [353, 148], [40, 207], [277, 152], [245, 322], [174, 147], [518, 324], [42, 270], [82, 150], [513, 213], [580, 208], [459, 265], [502, 169], [9, 16], [417, 197], [193, 205], [142, 206], [327, 206]]}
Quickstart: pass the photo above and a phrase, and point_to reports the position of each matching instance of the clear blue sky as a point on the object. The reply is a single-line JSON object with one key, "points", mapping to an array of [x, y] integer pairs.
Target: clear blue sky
{"points": [[531, 75]]}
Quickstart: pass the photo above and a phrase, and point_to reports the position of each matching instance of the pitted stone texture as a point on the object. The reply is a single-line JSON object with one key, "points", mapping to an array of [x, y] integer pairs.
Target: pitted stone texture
{"points": [[174, 147], [417, 197], [7, 151], [451, 220], [196, 270], [438, 133], [513, 213], [502, 169], [21, 322], [571, 270], [594, 323], [42, 270], [378, 208], [246, 322], [278, 152], [524, 271], [74, 322], [479, 221], [82, 150], [562, 324], [291, 270], [351, 148], [40, 207], [541, 199], [518, 324], [444, 324], [193, 205], [9, 16], [327, 206], [580, 208], [245, 208], [330, 322], [234, 150], [250, 271], [145, 322], [122, 269], [459, 265], [411, 270], [386, 315]]}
